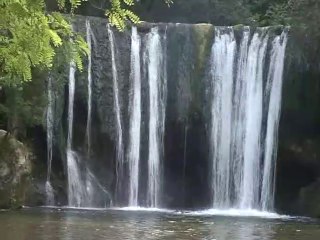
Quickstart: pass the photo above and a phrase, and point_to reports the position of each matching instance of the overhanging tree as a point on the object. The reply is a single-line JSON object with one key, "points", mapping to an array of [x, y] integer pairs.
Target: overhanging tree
{"points": [[30, 36]]}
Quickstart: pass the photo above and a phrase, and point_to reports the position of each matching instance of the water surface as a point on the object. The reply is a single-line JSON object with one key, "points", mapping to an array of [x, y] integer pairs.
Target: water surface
{"points": [[72, 224]]}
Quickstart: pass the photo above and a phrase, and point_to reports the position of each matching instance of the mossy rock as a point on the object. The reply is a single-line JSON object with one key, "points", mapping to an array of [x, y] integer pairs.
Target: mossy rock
{"points": [[238, 27], [203, 39]]}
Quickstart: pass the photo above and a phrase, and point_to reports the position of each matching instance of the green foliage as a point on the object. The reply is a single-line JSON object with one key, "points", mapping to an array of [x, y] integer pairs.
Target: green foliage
{"points": [[118, 15], [24, 106], [275, 14], [306, 14], [29, 38], [74, 4], [301, 13], [230, 11], [32, 40], [303, 16]]}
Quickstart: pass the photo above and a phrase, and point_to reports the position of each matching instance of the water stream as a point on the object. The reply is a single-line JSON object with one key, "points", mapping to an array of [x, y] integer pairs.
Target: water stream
{"points": [[133, 154], [249, 189], [119, 148], [76, 189], [274, 90], [50, 126], [88, 128], [223, 54], [157, 88], [241, 177]]}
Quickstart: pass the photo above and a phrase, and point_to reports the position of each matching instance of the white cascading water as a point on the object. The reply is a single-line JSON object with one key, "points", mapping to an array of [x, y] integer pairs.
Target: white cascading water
{"points": [[50, 121], [119, 150], [245, 116], [135, 119], [239, 109], [222, 59], [87, 190], [274, 89], [240, 179], [76, 189], [81, 182], [157, 93], [88, 129], [250, 182]]}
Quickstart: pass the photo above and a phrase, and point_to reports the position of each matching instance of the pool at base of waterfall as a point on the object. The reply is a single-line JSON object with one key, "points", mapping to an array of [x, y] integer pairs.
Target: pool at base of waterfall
{"points": [[114, 224]]}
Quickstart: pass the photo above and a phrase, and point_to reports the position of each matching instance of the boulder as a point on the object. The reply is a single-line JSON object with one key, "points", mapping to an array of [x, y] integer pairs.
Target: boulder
{"points": [[15, 171]]}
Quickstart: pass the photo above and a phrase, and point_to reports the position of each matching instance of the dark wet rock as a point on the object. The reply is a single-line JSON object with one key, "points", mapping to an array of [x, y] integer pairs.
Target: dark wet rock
{"points": [[298, 164], [309, 200]]}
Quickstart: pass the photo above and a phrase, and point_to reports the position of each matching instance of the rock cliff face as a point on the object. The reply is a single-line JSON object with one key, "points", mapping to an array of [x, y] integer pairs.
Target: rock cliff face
{"points": [[298, 165]]}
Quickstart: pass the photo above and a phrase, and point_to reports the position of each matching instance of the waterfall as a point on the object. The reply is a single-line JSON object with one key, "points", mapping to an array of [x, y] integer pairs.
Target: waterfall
{"points": [[230, 86], [72, 79], [239, 110], [249, 192], [82, 184], [50, 122], [223, 54], [135, 119], [274, 89], [70, 159], [76, 189], [88, 129], [157, 88], [120, 153], [241, 176]]}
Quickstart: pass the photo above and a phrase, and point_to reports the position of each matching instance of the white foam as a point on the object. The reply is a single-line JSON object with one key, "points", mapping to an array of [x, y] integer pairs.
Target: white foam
{"points": [[211, 212], [237, 213], [208, 212], [125, 209], [143, 209], [72, 208]]}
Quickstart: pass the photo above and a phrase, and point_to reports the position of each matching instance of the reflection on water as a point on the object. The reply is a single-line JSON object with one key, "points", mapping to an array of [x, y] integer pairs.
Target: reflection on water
{"points": [[51, 224]]}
